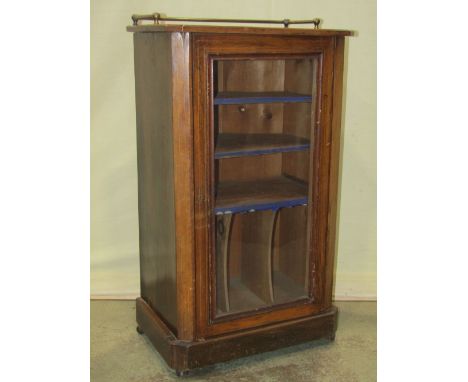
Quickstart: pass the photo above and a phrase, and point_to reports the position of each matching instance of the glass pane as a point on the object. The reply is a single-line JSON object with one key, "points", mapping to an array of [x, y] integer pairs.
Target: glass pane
{"points": [[264, 112]]}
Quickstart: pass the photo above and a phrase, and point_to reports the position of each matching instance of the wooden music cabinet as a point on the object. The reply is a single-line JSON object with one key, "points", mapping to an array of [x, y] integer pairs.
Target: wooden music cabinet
{"points": [[238, 134]]}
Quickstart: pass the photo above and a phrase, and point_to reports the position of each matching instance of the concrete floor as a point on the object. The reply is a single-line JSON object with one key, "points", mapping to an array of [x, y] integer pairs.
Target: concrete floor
{"points": [[119, 354]]}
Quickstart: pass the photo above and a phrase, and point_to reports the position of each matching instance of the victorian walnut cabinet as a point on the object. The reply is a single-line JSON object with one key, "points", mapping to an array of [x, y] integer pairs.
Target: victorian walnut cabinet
{"points": [[238, 137]]}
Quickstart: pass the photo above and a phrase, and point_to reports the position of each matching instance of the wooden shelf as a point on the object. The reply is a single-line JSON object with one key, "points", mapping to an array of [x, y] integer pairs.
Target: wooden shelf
{"points": [[230, 145], [268, 194], [235, 98]]}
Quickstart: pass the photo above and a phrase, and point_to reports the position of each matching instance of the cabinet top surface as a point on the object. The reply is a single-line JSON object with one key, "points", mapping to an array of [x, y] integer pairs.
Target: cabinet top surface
{"points": [[237, 30]]}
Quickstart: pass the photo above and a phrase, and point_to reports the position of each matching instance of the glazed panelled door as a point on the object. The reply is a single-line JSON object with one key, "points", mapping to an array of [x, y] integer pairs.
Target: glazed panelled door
{"points": [[262, 121], [263, 113]]}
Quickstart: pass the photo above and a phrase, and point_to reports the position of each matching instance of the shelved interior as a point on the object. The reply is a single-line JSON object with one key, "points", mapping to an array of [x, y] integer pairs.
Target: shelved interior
{"points": [[261, 259], [263, 117]]}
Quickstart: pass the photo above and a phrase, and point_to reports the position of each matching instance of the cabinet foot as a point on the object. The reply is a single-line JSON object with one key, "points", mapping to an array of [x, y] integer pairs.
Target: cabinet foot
{"points": [[139, 331]]}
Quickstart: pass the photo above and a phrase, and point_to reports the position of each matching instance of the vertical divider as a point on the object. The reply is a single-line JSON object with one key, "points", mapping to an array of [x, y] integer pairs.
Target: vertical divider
{"points": [[293, 253], [272, 251], [223, 233], [256, 264]]}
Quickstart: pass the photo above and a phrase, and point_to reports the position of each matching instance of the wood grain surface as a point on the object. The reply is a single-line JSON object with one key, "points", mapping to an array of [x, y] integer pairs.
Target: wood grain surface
{"points": [[230, 145], [234, 194], [280, 264], [238, 30], [153, 92]]}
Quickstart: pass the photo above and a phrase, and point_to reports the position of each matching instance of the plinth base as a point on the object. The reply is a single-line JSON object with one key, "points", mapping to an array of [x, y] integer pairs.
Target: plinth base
{"points": [[185, 355]]}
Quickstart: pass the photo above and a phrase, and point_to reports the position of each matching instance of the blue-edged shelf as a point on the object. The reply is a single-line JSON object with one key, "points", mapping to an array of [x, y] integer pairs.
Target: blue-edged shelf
{"points": [[236, 98], [268, 194], [230, 145]]}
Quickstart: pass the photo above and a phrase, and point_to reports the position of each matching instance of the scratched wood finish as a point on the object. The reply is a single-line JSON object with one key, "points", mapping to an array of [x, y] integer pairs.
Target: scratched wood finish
{"points": [[184, 355], [153, 92], [176, 136]]}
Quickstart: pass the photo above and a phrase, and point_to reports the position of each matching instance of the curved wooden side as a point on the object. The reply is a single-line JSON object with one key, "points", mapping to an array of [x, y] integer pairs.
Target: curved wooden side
{"points": [[256, 265], [293, 254], [223, 234]]}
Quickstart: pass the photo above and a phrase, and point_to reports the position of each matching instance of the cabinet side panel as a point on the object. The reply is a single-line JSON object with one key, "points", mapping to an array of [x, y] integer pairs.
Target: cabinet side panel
{"points": [[155, 173], [335, 140]]}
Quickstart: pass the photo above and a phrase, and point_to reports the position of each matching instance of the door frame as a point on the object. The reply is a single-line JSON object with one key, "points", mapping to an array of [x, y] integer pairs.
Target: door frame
{"points": [[205, 47]]}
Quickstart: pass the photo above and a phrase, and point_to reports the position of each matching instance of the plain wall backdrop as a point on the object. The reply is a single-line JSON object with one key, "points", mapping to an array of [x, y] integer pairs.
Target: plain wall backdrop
{"points": [[114, 213]]}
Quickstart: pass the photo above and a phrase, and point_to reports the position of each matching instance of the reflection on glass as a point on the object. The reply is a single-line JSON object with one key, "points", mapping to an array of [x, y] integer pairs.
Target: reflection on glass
{"points": [[263, 112]]}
